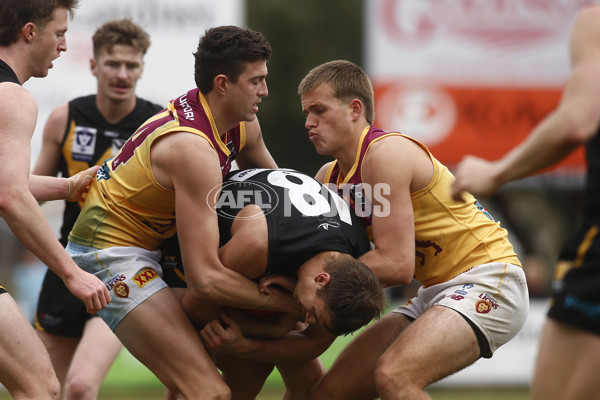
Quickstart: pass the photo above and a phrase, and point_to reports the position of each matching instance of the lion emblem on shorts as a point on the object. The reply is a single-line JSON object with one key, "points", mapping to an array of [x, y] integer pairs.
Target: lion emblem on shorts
{"points": [[483, 307], [121, 290]]}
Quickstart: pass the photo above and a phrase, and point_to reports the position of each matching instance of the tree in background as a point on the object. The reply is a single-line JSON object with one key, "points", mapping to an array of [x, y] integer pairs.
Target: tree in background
{"points": [[302, 35]]}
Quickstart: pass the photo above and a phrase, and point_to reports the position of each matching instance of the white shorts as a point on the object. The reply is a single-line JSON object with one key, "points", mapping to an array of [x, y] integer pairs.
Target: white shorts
{"points": [[131, 274], [493, 297]]}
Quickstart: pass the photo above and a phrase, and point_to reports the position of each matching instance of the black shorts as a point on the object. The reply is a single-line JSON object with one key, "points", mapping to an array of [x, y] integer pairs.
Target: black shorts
{"points": [[172, 266], [576, 283], [59, 312]]}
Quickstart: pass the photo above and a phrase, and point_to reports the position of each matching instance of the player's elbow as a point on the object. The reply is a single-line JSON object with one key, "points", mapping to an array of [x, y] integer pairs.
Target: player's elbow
{"points": [[580, 125], [397, 279], [8, 201], [205, 286]]}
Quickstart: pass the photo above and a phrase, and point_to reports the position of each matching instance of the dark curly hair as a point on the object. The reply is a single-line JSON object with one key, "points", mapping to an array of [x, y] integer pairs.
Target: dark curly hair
{"points": [[226, 50]]}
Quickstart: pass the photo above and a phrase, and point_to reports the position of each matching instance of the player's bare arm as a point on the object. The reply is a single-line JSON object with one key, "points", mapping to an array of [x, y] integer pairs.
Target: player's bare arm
{"points": [[48, 161], [186, 163], [300, 345], [574, 121], [73, 188], [255, 154], [393, 258], [47, 165], [20, 209]]}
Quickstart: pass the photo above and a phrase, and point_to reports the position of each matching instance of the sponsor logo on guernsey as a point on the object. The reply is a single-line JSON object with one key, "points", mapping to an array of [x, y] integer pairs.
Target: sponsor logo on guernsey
{"points": [[483, 210], [103, 173], [84, 143], [145, 276], [116, 145], [329, 223], [121, 290], [188, 111], [111, 134]]}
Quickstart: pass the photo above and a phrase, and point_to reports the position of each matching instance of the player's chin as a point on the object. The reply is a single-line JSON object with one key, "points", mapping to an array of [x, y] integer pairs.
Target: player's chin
{"points": [[250, 117], [41, 73], [320, 149]]}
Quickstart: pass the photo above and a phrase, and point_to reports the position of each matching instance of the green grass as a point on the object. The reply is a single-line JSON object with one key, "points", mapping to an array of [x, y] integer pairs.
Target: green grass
{"points": [[128, 379]]}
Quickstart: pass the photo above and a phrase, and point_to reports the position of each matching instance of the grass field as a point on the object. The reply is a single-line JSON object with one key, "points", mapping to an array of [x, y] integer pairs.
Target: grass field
{"points": [[130, 380], [275, 393]]}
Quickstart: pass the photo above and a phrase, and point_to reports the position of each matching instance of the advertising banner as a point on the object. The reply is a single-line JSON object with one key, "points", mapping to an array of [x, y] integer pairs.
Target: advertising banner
{"points": [[469, 76]]}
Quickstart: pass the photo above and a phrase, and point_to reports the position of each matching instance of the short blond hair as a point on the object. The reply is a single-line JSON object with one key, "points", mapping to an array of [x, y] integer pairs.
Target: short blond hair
{"points": [[347, 80]]}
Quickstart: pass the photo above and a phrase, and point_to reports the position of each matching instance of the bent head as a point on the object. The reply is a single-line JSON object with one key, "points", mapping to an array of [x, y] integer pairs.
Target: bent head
{"points": [[348, 296]]}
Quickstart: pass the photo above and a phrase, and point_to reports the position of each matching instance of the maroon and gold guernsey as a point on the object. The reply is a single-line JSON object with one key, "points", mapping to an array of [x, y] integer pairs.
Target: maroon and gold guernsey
{"points": [[126, 206], [450, 236]]}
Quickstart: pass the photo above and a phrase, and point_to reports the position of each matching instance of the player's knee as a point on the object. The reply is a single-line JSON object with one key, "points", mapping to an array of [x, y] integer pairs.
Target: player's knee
{"points": [[388, 377], [322, 391], [383, 377], [218, 390], [79, 387], [41, 389]]}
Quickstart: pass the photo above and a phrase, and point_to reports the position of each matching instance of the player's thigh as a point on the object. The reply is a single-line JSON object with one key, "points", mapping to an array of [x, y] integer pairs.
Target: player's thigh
{"points": [[351, 375], [61, 350], [24, 363], [567, 364], [300, 378], [96, 352], [245, 378], [161, 336], [437, 344]]}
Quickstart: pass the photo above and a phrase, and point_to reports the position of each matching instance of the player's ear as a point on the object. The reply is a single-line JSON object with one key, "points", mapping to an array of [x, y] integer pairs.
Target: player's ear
{"points": [[356, 107], [93, 64], [29, 30], [220, 84], [322, 279]]}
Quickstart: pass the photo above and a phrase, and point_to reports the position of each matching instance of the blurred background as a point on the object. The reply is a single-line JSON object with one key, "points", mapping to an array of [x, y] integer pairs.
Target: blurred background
{"points": [[462, 76]]}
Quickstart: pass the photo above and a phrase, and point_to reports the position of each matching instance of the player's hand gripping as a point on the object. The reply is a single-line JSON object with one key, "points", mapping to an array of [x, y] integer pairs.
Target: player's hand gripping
{"points": [[476, 176], [222, 339], [80, 183], [89, 289]]}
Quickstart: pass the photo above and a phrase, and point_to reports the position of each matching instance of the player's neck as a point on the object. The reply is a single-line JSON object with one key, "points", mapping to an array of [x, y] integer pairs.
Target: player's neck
{"points": [[115, 111], [218, 109], [346, 157], [13, 56], [315, 264]]}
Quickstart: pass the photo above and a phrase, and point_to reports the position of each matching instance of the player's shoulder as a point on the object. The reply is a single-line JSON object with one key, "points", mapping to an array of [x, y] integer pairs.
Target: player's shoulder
{"points": [[321, 174], [588, 16], [59, 114], [14, 97]]}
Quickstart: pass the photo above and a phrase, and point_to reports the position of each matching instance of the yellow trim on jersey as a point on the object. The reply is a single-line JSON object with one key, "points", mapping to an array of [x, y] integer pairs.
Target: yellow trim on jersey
{"points": [[67, 152], [356, 158], [329, 171], [585, 245], [242, 135], [213, 125]]}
